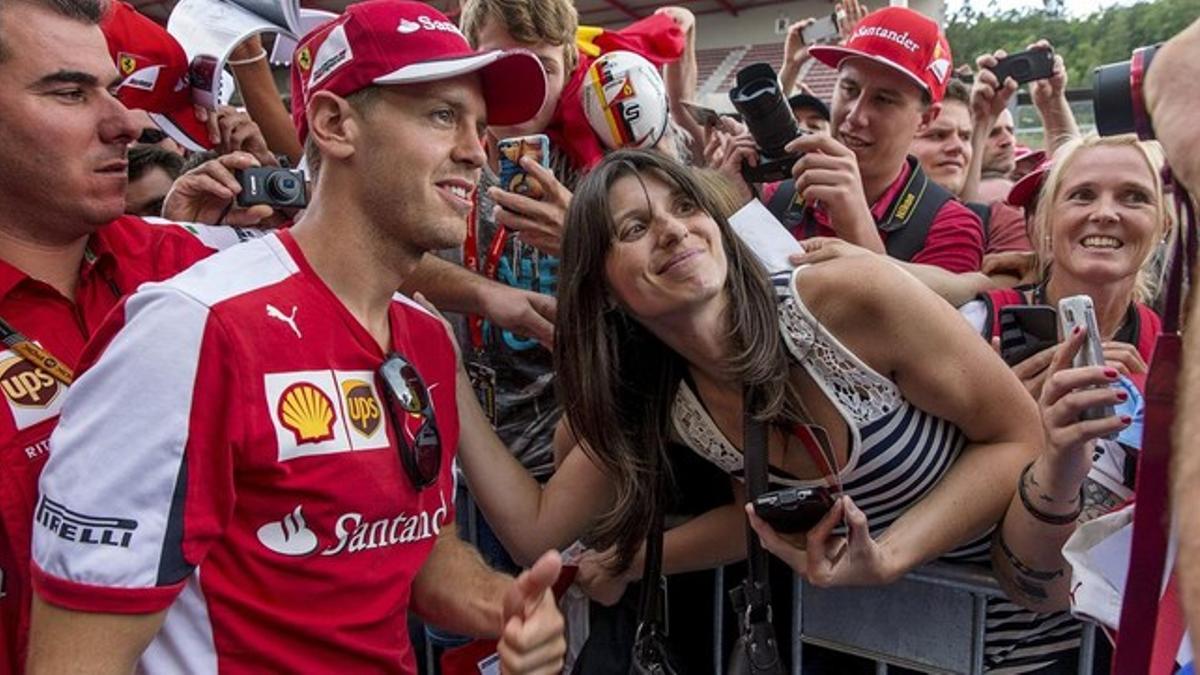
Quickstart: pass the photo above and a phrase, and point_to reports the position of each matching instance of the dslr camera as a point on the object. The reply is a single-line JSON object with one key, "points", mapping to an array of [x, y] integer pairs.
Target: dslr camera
{"points": [[277, 187], [1117, 96], [758, 98]]}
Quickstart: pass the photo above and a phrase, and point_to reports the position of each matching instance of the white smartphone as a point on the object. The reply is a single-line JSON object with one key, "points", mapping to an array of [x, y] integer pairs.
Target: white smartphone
{"points": [[1077, 311]]}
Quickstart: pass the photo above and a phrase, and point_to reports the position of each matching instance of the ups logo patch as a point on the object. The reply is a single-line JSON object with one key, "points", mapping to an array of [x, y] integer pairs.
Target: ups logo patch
{"points": [[26, 385], [362, 408]]}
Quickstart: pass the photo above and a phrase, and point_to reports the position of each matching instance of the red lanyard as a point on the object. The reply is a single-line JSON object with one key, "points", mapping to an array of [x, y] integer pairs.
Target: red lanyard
{"points": [[821, 453], [490, 264]]}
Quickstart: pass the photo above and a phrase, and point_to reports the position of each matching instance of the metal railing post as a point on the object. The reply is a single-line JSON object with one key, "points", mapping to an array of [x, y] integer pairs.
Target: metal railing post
{"points": [[1087, 648]]}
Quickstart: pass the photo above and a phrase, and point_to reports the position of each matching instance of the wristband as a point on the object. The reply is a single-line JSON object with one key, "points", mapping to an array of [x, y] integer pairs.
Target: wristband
{"points": [[1050, 518], [245, 62]]}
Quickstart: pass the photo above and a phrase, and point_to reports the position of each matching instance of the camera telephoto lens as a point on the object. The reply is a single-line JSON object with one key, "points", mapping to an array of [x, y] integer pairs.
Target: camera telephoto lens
{"points": [[759, 99], [1117, 95]]}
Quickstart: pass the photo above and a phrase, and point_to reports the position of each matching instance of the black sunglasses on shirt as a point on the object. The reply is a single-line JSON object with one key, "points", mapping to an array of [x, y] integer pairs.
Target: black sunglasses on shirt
{"points": [[411, 412]]}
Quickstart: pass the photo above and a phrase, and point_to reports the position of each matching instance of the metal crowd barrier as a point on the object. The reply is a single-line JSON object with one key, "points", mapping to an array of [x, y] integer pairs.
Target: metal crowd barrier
{"points": [[941, 609], [931, 621]]}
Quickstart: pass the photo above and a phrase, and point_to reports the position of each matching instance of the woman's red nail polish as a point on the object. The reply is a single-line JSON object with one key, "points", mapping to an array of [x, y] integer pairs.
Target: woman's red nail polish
{"points": [[1077, 330], [1110, 373], [1126, 420], [1122, 396]]}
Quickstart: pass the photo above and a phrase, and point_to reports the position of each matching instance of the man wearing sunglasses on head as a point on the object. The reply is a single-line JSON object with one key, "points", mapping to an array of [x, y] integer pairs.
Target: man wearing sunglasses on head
{"points": [[254, 471]]}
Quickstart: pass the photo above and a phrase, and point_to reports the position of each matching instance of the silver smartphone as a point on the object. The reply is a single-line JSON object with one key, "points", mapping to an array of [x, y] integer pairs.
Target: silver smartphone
{"points": [[821, 31], [1077, 311]]}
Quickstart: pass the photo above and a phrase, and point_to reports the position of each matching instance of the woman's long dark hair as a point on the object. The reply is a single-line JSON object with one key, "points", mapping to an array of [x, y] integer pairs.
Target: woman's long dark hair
{"points": [[616, 380]]}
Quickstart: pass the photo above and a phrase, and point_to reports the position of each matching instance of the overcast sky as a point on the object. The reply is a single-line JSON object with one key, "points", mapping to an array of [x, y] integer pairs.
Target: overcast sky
{"points": [[1074, 7]]}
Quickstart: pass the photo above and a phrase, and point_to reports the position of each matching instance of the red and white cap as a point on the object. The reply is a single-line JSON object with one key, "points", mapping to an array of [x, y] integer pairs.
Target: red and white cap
{"points": [[901, 38], [155, 71], [389, 42], [1025, 192]]}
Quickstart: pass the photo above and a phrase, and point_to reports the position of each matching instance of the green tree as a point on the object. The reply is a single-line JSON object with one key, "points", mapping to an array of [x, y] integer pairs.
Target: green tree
{"points": [[1103, 37]]}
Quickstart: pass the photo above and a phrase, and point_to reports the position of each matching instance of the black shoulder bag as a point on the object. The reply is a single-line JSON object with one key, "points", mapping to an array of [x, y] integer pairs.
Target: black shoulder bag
{"points": [[756, 651]]}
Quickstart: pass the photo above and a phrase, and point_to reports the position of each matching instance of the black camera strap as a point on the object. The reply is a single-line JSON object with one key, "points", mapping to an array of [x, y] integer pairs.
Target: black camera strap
{"points": [[752, 600], [906, 224], [650, 652]]}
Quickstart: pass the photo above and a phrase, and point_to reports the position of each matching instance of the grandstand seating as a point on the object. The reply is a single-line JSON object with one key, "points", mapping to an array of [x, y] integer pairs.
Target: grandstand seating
{"points": [[818, 77], [766, 53]]}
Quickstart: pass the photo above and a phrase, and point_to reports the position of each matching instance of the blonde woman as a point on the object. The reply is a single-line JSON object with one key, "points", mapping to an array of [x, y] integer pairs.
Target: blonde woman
{"points": [[1101, 216]]}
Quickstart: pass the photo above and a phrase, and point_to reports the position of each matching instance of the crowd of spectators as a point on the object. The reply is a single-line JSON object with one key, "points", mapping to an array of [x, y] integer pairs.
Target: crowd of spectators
{"points": [[251, 434]]}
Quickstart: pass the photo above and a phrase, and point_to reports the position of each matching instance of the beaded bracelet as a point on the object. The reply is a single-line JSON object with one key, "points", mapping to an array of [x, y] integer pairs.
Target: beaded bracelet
{"points": [[1051, 518]]}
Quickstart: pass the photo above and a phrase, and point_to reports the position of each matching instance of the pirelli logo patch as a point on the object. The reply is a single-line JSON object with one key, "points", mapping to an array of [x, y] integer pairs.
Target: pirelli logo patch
{"points": [[31, 394], [82, 528], [321, 412]]}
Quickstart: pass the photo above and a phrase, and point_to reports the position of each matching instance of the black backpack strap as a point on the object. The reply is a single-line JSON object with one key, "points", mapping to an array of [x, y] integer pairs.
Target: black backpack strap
{"points": [[984, 211], [791, 211], [912, 213]]}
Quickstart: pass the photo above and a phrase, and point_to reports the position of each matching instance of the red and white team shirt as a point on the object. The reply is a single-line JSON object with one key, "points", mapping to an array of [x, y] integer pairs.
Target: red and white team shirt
{"points": [[227, 454], [120, 257]]}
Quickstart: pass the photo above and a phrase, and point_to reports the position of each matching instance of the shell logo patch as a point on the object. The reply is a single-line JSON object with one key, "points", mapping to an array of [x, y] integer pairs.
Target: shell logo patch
{"points": [[307, 412]]}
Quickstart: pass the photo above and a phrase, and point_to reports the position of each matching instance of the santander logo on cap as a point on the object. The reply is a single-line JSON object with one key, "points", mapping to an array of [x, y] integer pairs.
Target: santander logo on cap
{"points": [[901, 39], [426, 23]]}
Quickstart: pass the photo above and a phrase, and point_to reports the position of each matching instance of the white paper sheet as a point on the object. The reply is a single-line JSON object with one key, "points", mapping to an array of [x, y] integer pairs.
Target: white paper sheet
{"points": [[208, 30], [281, 53], [766, 236]]}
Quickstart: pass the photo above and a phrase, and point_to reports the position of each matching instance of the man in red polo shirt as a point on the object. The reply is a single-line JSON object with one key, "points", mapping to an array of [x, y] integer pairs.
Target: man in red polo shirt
{"points": [[859, 183], [254, 472], [66, 253]]}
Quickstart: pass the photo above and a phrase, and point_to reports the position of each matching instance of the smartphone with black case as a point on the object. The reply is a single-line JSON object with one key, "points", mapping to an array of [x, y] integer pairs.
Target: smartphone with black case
{"points": [[1077, 312], [513, 177], [1026, 330], [1027, 66], [795, 509]]}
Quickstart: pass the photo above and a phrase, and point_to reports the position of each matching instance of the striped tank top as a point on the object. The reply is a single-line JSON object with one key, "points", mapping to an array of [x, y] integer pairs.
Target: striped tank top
{"points": [[898, 454]]}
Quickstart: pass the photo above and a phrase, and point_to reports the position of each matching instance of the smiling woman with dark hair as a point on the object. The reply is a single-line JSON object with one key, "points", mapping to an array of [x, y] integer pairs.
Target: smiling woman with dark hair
{"points": [[666, 319]]}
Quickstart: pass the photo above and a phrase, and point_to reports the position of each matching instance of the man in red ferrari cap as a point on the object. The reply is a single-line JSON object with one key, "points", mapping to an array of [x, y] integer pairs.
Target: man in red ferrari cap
{"points": [[859, 183], [254, 472], [154, 72]]}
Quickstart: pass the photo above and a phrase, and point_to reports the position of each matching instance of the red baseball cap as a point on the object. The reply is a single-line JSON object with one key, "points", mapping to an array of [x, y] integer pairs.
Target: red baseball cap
{"points": [[1025, 192], [389, 42], [155, 71], [901, 38], [1027, 154]]}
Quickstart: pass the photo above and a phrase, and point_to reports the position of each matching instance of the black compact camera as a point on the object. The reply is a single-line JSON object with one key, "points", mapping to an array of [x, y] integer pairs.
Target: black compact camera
{"points": [[274, 186], [1117, 95], [795, 509], [759, 98]]}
